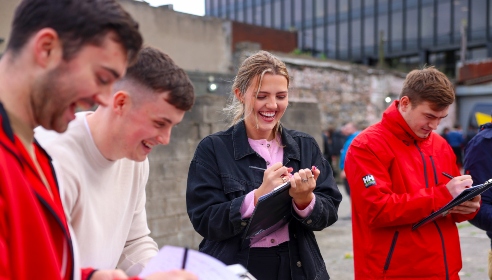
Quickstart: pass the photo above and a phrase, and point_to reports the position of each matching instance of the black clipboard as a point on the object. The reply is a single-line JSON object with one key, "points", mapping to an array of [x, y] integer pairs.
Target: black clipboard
{"points": [[465, 195], [272, 211]]}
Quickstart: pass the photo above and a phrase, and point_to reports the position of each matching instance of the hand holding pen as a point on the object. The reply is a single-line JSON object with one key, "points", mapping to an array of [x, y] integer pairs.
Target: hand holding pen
{"points": [[273, 176], [460, 183]]}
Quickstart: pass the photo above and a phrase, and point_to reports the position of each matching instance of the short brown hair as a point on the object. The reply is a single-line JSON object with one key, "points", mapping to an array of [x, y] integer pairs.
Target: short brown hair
{"points": [[77, 23], [157, 71], [428, 84]]}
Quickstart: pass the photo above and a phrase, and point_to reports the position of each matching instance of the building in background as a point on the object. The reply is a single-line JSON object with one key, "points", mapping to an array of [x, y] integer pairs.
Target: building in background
{"points": [[405, 33]]}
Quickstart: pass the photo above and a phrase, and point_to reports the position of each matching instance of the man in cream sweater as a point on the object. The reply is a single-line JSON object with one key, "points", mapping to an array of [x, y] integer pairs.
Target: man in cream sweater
{"points": [[102, 166]]}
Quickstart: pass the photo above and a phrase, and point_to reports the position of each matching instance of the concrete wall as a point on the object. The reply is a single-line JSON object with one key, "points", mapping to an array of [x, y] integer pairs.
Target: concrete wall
{"points": [[195, 43], [7, 8]]}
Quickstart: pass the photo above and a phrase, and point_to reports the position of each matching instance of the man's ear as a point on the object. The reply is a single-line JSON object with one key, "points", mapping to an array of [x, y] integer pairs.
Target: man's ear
{"points": [[404, 104], [47, 48], [121, 102]]}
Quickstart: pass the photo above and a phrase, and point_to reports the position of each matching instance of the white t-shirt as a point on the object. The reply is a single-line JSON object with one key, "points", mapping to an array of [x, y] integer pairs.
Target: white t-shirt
{"points": [[104, 200]]}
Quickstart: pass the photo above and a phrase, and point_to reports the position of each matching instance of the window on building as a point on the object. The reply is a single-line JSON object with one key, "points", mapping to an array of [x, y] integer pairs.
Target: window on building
{"points": [[369, 22], [396, 35], [249, 11], [343, 41], [268, 13], [427, 24], [460, 18], [288, 22], [331, 42], [355, 26], [444, 22], [411, 27], [277, 14], [478, 20]]}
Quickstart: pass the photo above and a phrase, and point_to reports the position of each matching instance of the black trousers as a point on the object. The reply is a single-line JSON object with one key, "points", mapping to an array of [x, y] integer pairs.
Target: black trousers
{"points": [[270, 263]]}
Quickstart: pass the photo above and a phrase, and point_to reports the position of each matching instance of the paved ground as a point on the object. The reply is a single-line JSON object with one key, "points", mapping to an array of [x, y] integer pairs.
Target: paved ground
{"points": [[336, 247]]}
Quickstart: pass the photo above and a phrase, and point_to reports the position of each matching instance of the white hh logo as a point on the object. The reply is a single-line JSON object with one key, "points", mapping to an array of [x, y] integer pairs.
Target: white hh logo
{"points": [[369, 180]]}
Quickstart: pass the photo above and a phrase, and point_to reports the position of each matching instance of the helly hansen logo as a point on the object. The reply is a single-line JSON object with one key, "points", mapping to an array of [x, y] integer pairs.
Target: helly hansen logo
{"points": [[369, 180]]}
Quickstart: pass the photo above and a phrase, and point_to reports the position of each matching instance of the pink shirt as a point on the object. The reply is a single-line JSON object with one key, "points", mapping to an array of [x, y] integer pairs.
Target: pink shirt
{"points": [[272, 153]]}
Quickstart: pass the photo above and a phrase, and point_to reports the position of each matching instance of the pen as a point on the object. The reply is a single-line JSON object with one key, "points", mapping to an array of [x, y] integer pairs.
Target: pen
{"points": [[257, 168], [447, 175], [184, 258]]}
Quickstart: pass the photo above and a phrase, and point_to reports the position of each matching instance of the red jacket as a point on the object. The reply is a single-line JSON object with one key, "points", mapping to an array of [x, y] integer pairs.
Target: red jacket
{"points": [[34, 238], [396, 180]]}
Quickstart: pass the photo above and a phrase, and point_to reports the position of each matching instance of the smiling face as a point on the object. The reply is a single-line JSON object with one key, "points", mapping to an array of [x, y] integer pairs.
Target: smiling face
{"points": [[422, 119], [263, 110], [148, 124], [84, 80]]}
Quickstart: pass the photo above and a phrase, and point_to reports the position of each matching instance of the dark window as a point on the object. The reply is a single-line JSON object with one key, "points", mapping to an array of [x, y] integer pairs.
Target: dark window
{"points": [[319, 46], [268, 13], [277, 11], [460, 18], [444, 22], [331, 41], [478, 19], [343, 41], [427, 24], [288, 15], [411, 27], [249, 11], [396, 35]]}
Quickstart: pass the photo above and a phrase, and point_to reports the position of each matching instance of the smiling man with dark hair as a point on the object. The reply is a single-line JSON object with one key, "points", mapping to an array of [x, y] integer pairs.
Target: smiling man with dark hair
{"points": [[60, 54]]}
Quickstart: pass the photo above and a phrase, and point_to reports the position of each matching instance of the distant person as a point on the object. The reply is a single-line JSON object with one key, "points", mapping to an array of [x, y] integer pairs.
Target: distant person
{"points": [[223, 190], [349, 130], [337, 141], [327, 146], [394, 169], [455, 139], [444, 133], [478, 164]]}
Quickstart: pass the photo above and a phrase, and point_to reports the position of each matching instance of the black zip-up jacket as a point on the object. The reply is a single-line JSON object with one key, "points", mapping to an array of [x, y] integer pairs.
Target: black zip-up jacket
{"points": [[219, 179]]}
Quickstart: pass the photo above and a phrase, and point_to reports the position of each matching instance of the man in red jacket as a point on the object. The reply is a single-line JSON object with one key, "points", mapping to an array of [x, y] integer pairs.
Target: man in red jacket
{"points": [[394, 169], [60, 54]]}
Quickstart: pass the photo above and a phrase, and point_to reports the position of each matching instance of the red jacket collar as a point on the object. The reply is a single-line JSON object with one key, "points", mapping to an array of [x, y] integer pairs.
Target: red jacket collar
{"points": [[394, 121]]}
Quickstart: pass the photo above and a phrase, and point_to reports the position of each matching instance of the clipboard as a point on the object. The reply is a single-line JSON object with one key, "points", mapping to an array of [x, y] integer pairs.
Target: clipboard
{"points": [[272, 211], [465, 195]]}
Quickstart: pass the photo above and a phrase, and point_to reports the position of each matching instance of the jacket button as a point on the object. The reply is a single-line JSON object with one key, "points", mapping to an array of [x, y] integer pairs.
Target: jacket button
{"points": [[299, 264], [272, 240], [309, 221], [243, 224], [295, 236]]}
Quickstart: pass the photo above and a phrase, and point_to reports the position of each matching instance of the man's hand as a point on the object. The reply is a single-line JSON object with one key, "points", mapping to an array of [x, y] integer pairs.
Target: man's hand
{"points": [[458, 184], [172, 275], [467, 207]]}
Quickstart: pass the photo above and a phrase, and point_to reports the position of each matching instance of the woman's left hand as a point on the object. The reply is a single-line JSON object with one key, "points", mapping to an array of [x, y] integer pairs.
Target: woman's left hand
{"points": [[302, 185]]}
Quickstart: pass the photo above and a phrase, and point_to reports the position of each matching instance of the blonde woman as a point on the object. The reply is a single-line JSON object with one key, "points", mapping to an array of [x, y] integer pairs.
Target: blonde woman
{"points": [[223, 190]]}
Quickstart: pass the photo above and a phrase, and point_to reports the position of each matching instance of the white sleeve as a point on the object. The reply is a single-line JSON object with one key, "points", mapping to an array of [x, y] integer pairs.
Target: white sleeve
{"points": [[139, 247]]}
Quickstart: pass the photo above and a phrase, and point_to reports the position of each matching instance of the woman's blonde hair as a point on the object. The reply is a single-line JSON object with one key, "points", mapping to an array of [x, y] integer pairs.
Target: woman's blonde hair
{"points": [[252, 67]]}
